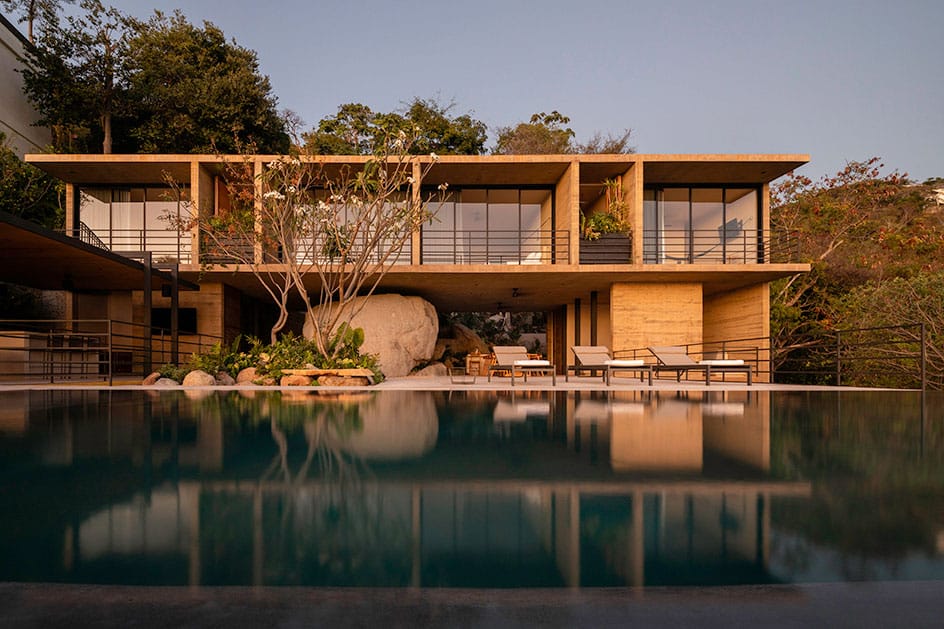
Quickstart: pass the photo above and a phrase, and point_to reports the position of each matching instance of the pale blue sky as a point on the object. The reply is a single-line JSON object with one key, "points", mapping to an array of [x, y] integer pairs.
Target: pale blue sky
{"points": [[838, 79]]}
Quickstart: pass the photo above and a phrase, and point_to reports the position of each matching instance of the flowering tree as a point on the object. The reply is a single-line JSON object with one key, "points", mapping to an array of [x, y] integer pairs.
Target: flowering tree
{"points": [[317, 231]]}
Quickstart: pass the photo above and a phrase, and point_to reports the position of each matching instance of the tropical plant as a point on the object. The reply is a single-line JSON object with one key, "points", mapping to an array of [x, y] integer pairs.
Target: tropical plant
{"points": [[614, 219]]}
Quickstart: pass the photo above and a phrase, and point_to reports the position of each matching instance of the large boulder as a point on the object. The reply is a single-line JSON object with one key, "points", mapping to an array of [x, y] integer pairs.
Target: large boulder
{"points": [[400, 330]]}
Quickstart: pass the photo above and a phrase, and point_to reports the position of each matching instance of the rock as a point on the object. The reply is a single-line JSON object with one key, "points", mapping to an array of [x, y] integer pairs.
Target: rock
{"points": [[461, 340], [295, 381], [198, 378], [151, 379], [246, 376], [166, 382], [223, 379], [343, 381], [431, 371], [400, 331]]}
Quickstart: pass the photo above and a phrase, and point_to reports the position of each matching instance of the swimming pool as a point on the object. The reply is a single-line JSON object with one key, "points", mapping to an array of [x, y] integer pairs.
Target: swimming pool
{"points": [[475, 489]]}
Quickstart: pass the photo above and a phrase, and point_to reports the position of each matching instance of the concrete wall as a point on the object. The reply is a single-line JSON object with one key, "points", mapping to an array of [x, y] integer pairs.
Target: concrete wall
{"points": [[655, 314], [16, 113]]}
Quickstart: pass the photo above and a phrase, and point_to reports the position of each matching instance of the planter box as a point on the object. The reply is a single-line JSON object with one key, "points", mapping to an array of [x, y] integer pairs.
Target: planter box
{"points": [[608, 249]]}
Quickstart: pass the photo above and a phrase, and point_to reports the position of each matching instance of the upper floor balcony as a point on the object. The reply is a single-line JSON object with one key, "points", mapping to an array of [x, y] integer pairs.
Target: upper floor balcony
{"points": [[500, 211]]}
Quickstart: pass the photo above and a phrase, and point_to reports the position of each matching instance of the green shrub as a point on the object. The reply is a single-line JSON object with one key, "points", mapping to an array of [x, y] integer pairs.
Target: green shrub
{"points": [[289, 352], [173, 372]]}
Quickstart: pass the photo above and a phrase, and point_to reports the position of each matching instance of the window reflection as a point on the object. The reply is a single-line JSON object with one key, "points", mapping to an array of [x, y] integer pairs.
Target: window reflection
{"points": [[683, 225], [490, 226]]}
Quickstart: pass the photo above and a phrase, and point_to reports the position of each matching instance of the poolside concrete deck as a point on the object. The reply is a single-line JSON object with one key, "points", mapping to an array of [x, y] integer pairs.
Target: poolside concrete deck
{"points": [[444, 383]]}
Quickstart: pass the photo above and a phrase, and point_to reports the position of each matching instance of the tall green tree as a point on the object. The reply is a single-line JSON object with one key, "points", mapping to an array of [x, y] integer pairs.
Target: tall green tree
{"points": [[162, 85], [76, 75], [358, 130], [193, 91]]}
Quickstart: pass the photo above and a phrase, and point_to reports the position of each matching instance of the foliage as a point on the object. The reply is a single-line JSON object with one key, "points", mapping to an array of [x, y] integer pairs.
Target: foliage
{"points": [[75, 76], [226, 359], [32, 11], [27, 192], [855, 228], [546, 134], [599, 223], [897, 302], [163, 85], [613, 220], [175, 373], [288, 352], [193, 91], [357, 130], [498, 329]]}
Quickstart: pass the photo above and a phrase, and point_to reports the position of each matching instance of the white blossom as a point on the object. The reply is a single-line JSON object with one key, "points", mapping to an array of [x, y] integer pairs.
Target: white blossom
{"points": [[274, 194]]}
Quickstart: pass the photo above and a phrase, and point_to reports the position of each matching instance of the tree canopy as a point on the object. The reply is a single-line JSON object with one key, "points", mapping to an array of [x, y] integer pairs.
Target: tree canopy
{"points": [[163, 85], [191, 90], [358, 130], [875, 243], [547, 134], [32, 11], [27, 192]]}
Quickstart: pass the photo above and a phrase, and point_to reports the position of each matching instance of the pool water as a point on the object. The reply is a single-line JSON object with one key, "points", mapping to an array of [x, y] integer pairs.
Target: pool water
{"points": [[470, 489]]}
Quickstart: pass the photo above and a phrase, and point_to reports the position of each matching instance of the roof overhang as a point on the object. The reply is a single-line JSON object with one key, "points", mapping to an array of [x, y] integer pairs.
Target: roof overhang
{"points": [[34, 256], [457, 170]]}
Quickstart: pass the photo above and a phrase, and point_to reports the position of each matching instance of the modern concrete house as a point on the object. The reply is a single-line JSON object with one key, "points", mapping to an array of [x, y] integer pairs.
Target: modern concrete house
{"points": [[694, 270]]}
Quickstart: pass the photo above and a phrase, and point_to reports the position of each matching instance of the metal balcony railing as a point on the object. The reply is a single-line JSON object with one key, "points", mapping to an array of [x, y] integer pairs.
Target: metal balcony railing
{"points": [[512, 247], [712, 246], [165, 245]]}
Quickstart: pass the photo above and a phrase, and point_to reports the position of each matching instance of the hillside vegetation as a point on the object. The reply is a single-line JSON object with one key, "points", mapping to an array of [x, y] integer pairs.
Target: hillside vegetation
{"points": [[876, 245]]}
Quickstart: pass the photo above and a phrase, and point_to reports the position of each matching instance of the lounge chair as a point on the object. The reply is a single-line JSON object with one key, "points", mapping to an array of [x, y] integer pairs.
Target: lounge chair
{"points": [[597, 358], [514, 359], [674, 358]]}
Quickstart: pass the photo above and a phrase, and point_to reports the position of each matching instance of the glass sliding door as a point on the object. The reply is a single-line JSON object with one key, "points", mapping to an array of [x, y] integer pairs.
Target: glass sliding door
{"points": [[490, 226], [704, 225]]}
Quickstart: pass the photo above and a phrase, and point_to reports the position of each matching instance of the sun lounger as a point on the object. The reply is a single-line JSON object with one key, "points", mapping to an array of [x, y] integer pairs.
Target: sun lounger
{"points": [[674, 358], [597, 358], [514, 359]]}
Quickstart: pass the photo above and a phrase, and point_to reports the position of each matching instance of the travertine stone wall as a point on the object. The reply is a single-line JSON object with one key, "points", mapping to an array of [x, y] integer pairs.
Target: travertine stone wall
{"points": [[655, 314]]}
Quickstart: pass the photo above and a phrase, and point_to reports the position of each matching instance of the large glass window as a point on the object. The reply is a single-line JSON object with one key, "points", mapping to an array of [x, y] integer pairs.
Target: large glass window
{"points": [[704, 225], [136, 218], [490, 226]]}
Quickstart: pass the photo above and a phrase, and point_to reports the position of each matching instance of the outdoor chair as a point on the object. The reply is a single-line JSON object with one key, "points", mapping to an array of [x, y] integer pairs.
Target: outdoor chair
{"points": [[594, 358], [514, 358], [674, 358]]}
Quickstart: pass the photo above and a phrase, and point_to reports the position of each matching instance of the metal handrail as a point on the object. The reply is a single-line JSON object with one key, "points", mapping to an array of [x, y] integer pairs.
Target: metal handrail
{"points": [[861, 357], [714, 246], [59, 350], [509, 247], [166, 244]]}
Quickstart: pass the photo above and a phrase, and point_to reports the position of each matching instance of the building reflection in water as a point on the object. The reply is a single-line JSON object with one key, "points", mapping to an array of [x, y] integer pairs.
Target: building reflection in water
{"points": [[409, 488]]}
